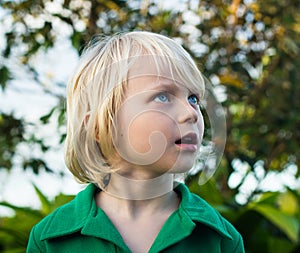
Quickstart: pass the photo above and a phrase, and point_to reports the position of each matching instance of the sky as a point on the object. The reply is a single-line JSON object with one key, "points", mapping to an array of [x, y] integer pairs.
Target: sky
{"points": [[27, 99]]}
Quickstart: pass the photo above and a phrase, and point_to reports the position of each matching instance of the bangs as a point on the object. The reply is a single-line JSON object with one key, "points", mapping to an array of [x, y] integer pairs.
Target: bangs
{"points": [[181, 72], [164, 58]]}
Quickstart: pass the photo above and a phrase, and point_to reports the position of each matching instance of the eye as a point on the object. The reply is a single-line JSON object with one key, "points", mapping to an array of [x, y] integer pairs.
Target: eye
{"points": [[162, 98], [193, 99]]}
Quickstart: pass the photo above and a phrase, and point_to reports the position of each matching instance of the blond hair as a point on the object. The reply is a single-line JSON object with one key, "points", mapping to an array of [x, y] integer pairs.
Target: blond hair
{"points": [[96, 90]]}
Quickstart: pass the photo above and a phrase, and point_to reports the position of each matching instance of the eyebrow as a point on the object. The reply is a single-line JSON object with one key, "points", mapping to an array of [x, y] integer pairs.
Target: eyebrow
{"points": [[169, 84]]}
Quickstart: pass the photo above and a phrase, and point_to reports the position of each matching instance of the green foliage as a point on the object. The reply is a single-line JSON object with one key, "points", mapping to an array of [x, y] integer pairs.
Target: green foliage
{"points": [[269, 223], [15, 230], [12, 132], [5, 76]]}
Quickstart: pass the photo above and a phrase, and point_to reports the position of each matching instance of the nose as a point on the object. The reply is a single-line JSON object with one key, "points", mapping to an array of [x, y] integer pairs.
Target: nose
{"points": [[187, 113]]}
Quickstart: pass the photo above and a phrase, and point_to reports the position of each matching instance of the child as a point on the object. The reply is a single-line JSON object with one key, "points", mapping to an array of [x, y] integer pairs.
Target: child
{"points": [[133, 123]]}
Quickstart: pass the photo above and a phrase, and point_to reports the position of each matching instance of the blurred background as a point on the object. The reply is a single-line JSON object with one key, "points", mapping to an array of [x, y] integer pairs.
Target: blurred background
{"points": [[250, 52]]}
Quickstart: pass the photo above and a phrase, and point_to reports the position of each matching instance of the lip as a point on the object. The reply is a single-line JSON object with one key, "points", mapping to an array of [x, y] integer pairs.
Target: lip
{"points": [[188, 142]]}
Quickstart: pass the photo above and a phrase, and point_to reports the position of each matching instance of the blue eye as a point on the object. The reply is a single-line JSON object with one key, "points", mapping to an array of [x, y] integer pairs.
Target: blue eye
{"points": [[162, 98], [193, 99]]}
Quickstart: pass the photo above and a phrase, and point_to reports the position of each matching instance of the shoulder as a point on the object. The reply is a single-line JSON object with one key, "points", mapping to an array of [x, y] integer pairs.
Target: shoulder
{"points": [[65, 220], [203, 214]]}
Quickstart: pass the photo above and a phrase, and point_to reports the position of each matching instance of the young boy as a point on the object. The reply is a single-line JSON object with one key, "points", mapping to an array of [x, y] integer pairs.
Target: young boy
{"points": [[133, 123]]}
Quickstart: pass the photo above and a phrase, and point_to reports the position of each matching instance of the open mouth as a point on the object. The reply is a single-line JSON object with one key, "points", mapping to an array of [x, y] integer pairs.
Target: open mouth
{"points": [[189, 139]]}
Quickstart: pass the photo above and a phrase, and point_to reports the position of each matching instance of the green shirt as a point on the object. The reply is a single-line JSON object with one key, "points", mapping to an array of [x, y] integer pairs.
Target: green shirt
{"points": [[81, 226]]}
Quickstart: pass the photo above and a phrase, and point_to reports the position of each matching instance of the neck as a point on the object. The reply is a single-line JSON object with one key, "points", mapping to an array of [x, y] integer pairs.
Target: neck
{"points": [[132, 189], [135, 199]]}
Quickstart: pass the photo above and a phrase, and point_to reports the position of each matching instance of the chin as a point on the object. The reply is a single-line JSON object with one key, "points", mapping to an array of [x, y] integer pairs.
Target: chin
{"points": [[181, 168]]}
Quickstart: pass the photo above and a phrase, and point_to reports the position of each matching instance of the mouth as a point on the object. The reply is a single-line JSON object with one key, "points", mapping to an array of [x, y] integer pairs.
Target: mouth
{"points": [[188, 142]]}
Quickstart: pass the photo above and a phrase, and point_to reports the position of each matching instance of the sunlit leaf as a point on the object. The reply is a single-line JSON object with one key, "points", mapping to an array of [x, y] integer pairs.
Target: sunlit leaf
{"points": [[45, 203], [288, 203], [287, 223]]}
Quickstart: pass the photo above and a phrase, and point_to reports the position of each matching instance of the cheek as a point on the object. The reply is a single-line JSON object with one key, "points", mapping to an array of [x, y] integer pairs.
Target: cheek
{"points": [[139, 136], [149, 132], [143, 139]]}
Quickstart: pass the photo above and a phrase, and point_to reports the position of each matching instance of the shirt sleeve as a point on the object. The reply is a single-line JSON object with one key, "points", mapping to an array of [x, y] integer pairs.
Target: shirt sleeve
{"points": [[235, 244], [239, 246], [33, 246]]}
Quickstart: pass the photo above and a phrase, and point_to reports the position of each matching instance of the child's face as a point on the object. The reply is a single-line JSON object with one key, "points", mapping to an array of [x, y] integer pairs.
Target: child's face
{"points": [[159, 127]]}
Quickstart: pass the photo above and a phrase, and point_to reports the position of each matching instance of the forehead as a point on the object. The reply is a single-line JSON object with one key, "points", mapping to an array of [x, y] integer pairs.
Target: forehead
{"points": [[152, 82], [159, 70], [151, 65]]}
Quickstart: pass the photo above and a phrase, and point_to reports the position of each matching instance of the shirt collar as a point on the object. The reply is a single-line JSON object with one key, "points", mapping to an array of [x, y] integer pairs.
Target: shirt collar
{"points": [[70, 218], [82, 214], [199, 210]]}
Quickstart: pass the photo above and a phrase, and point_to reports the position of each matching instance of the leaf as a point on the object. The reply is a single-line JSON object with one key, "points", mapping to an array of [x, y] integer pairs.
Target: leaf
{"points": [[267, 198], [46, 205], [279, 245], [208, 191], [76, 40], [15, 250], [62, 138], [60, 200], [4, 76], [231, 80], [25, 210], [288, 203], [61, 118], [45, 118], [286, 223]]}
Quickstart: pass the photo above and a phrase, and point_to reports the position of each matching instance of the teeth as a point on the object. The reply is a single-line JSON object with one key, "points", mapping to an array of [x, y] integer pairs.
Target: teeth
{"points": [[187, 139]]}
